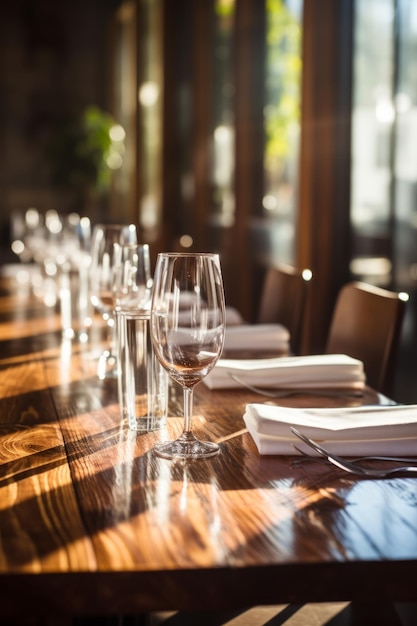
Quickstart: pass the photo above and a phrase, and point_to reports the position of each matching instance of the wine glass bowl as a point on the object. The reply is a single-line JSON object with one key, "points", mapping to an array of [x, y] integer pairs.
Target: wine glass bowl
{"points": [[187, 329]]}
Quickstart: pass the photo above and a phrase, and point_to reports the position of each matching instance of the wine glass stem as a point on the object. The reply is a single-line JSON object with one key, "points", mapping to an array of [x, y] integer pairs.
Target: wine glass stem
{"points": [[188, 409]]}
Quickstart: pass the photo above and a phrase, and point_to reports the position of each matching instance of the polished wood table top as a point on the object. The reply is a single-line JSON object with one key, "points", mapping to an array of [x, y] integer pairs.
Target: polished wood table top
{"points": [[92, 521]]}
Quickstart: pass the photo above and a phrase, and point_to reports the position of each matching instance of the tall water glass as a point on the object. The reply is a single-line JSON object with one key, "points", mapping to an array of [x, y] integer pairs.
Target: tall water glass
{"points": [[143, 391], [187, 329], [132, 276], [142, 382], [76, 308]]}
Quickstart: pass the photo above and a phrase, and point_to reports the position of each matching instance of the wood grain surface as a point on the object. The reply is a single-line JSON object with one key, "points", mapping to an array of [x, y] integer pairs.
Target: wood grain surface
{"points": [[91, 521]]}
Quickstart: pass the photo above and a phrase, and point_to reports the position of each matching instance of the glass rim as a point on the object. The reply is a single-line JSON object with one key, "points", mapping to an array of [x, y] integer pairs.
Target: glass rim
{"points": [[114, 225], [188, 254], [129, 244]]}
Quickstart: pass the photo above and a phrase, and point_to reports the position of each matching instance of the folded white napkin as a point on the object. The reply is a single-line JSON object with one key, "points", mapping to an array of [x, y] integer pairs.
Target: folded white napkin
{"points": [[313, 371], [258, 337], [382, 430]]}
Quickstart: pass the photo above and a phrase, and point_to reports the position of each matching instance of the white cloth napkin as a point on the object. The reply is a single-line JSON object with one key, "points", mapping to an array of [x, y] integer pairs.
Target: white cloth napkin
{"points": [[312, 371], [356, 431], [257, 337]]}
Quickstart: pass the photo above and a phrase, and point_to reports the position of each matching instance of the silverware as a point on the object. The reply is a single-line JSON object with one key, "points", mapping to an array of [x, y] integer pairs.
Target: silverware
{"points": [[286, 393], [393, 459], [352, 466]]}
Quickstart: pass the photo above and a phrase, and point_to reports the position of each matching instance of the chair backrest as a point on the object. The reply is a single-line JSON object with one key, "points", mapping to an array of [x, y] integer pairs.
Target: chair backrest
{"points": [[283, 300], [366, 324]]}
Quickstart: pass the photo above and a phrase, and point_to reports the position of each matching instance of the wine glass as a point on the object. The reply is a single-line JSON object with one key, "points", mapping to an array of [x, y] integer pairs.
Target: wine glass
{"points": [[103, 292], [187, 330]]}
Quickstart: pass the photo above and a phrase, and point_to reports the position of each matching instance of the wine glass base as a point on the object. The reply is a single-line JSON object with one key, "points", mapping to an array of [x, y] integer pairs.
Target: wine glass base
{"points": [[186, 449]]}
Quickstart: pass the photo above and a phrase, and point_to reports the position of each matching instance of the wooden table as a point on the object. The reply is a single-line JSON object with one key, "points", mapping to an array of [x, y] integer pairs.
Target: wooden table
{"points": [[91, 522]]}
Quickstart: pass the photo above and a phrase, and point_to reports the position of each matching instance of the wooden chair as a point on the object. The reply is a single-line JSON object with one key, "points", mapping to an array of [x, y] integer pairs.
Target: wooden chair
{"points": [[283, 300], [366, 324]]}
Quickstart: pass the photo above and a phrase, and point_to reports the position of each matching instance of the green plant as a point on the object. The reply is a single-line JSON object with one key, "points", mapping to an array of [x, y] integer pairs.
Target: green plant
{"points": [[283, 84], [82, 150]]}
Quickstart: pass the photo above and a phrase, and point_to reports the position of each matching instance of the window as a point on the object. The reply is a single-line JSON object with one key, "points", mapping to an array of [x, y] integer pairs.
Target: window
{"points": [[372, 132], [214, 126], [274, 224], [384, 140]]}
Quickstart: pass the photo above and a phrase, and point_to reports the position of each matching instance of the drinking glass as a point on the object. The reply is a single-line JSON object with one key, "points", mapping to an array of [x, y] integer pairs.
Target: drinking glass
{"points": [[73, 278], [133, 299], [103, 286], [187, 330], [132, 276]]}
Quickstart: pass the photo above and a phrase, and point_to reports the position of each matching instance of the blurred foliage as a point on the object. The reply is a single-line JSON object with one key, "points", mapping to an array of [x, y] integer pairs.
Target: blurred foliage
{"points": [[283, 80], [79, 149], [224, 8]]}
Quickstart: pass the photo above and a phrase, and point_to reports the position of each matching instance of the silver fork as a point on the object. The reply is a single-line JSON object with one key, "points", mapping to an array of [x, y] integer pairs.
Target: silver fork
{"points": [[350, 466], [286, 393]]}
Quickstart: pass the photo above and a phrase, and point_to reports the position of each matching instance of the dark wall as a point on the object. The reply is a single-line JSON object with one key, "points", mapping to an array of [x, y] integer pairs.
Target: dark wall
{"points": [[54, 60]]}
